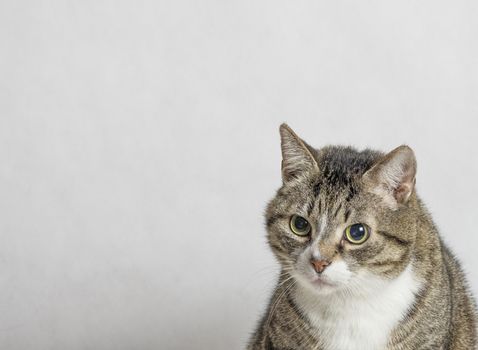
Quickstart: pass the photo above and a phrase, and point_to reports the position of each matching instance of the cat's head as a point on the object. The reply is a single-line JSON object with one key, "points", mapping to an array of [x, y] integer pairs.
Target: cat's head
{"points": [[342, 216]]}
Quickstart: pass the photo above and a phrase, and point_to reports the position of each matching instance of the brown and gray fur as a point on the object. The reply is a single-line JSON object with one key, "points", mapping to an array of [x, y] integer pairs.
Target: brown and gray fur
{"points": [[349, 186]]}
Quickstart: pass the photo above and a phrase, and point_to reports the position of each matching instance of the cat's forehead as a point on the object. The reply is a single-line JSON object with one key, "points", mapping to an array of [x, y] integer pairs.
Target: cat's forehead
{"points": [[341, 167], [336, 182]]}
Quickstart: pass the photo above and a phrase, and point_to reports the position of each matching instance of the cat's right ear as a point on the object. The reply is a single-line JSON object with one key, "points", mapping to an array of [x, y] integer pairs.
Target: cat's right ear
{"points": [[393, 177], [296, 156]]}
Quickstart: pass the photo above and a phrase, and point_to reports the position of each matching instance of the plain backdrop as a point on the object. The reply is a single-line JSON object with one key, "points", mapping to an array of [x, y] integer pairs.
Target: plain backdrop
{"points": [[139, 146]]}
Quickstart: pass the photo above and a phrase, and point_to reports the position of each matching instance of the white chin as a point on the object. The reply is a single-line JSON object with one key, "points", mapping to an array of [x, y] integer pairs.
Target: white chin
{"points": [[318, 285], [323, 287]]}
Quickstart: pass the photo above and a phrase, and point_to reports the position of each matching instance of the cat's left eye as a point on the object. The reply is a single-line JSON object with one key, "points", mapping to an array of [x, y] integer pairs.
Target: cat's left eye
{"points": [[357, 233], [299, 225]]}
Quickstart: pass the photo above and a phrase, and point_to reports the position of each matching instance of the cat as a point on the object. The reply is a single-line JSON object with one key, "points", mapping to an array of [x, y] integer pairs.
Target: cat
{"points": [[362, 264]]}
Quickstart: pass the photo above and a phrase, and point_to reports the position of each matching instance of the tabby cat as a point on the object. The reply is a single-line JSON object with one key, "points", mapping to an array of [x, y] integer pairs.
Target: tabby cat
{"points": [[362, 264]]}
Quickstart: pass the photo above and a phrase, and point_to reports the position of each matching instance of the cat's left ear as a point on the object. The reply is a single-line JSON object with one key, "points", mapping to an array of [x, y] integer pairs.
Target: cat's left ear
{"points": [[297, 158], [393, 176]]}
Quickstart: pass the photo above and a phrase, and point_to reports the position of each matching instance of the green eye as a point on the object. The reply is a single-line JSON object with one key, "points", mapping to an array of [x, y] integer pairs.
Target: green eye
{"points": [[299, 225], [357, 233]]}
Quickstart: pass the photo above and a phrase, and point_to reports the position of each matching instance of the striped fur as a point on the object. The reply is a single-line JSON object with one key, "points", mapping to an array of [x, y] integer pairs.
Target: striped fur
{"points": [[402, 289]]}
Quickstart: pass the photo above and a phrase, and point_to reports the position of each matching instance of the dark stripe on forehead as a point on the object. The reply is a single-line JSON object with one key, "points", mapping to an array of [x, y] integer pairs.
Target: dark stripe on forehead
{"points": [[317, 188], [341, 169], [352, 191], [337, 210], [393, 238], [310, 207], [347, 214]]}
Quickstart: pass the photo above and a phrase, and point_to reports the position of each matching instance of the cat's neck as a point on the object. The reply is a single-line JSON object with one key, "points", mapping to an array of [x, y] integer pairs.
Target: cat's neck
{"points": [[362, 318]]}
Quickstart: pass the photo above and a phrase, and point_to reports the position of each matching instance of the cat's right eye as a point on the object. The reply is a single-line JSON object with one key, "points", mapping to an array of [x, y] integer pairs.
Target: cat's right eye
{"points": [[357, 233], [299, 225]]}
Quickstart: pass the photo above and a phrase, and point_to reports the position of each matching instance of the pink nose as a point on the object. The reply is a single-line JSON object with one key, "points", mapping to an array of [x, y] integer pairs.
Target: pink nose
{"points": [[319, 265]]}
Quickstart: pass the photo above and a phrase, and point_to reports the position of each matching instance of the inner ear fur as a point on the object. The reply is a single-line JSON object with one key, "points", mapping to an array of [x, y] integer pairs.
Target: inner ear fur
{"points": [[296, 155], [393, 176]]}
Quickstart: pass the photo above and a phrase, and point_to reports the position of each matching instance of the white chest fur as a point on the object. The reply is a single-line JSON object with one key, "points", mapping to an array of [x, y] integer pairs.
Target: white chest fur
{"points": [[362, 319]]}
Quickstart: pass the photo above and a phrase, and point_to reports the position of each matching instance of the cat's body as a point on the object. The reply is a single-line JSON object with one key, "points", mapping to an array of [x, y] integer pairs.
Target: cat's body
{"points": [[397, 287]]}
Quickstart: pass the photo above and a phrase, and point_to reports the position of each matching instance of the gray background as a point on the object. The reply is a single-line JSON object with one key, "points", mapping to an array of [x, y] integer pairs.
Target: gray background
{"points": [[139, 145]]}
